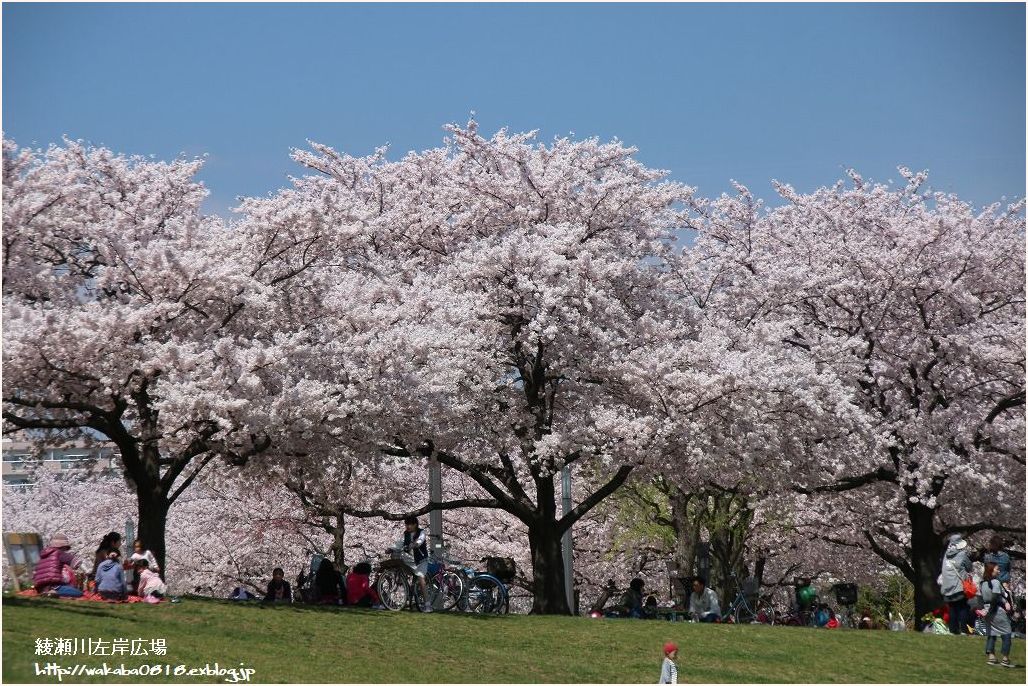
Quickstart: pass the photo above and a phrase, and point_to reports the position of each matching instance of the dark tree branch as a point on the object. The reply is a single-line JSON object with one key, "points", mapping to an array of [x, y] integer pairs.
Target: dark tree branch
{"points": [[849, 483], [895, 560], [565, 522]]}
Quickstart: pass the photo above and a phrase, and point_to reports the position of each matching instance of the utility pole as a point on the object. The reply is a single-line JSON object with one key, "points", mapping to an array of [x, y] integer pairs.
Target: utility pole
{"points": [[435, 517], [566, 543], [435, 496], [130, 536]]}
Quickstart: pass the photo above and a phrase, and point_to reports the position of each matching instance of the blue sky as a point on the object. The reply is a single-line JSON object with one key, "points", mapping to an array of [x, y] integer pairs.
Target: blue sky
{"points": [[710, 92]]}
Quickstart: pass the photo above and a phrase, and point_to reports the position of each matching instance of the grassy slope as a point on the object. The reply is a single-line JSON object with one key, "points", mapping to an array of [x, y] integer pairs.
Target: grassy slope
{"points": [[297, 644]]}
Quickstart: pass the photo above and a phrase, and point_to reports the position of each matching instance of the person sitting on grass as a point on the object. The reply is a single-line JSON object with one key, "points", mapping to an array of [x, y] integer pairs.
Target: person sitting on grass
{"points": [[110, 541], [327, 583], [632, 603], [703, 604], [278, 588], [110, 577], [359, 592], [49, 577], [632, 600], [149, 583]]}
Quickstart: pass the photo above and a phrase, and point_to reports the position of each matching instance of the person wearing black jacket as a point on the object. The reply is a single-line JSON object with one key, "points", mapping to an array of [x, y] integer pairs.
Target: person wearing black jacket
{"points": [[415, 542], [329, 586], [279, 590]]}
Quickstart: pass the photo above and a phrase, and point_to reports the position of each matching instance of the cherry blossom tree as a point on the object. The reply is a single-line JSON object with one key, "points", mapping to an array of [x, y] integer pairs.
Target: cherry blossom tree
{"points": [[916, 302], [500, 290], [228, 529], [127, 313]]}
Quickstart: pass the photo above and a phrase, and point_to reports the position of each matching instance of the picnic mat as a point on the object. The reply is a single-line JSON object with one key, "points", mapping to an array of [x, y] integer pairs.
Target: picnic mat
{"points": [[87, 596]]}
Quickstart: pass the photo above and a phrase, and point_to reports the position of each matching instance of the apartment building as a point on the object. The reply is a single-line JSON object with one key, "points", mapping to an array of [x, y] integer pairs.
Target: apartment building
{"points": [[21, 458]]}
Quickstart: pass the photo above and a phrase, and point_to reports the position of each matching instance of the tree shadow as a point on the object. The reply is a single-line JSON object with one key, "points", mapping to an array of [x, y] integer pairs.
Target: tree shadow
{"points": [[79, 607]]}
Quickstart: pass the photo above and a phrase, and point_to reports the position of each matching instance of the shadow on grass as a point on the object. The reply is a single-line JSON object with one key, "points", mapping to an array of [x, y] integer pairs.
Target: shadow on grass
{"points": [[109, 611], [79, 607], [344, 609]]}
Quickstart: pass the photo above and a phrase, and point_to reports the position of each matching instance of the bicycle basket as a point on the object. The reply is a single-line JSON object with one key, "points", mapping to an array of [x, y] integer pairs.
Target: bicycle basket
{"points": [[846, 594], [503, 568], [393, 562]]}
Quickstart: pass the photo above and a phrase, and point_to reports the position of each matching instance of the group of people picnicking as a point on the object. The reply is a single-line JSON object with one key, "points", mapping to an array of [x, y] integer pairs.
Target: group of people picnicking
{"points": [[329, 586], [325, 586], [61, 573], [635, 603], [973, 596]]}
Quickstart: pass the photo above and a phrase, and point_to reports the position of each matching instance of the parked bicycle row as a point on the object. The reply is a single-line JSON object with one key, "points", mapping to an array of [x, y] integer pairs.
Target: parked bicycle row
{"points": [[407, 577]]}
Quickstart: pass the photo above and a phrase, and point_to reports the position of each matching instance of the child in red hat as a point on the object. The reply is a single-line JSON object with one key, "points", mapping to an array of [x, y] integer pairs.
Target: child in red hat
{"points": [[669, 670]]}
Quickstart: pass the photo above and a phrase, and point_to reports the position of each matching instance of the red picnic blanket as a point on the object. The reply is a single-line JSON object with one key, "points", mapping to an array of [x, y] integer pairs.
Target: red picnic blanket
{"points": [[91, 597]]}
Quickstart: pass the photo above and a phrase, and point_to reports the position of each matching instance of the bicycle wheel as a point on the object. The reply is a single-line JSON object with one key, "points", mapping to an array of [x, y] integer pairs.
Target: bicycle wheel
{"points": [[394, 588], [743, 614], [765, 613], [486, 596], [451, 586]]}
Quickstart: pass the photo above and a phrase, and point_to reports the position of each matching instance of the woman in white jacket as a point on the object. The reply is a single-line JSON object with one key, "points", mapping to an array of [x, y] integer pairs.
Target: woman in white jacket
{"points": [[956, 566]]}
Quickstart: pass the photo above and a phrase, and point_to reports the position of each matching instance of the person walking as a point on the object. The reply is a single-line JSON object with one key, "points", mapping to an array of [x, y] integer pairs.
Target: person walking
{"points": [[668, 668]]}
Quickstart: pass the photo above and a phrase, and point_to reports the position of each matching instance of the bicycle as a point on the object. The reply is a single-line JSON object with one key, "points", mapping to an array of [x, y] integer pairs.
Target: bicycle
{"points": [[803, 611], [846, 597], [397, 586], [741, 612], [483, 593]]}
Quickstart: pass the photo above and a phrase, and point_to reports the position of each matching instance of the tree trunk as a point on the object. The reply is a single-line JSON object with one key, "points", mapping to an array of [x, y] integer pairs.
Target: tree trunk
{"points": [[153, 518], [338, 541], [687, 533], [926, 549], [547, 570], [729, 530]]}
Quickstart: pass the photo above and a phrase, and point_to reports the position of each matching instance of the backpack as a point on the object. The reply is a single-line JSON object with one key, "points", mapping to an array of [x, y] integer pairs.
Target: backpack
{"points": [[1004, 601]]}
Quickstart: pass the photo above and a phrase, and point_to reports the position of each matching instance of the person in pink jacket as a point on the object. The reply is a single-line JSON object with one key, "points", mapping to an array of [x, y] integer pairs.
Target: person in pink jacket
{"points": [[150, 583], [49, 576]]}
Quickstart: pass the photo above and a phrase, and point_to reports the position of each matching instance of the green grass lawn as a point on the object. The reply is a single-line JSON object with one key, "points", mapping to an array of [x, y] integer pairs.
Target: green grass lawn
{"points": [[301, 644]]}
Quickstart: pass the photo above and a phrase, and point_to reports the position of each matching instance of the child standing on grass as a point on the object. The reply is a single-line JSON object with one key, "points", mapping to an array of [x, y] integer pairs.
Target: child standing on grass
{"points": [[669, 670]]}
